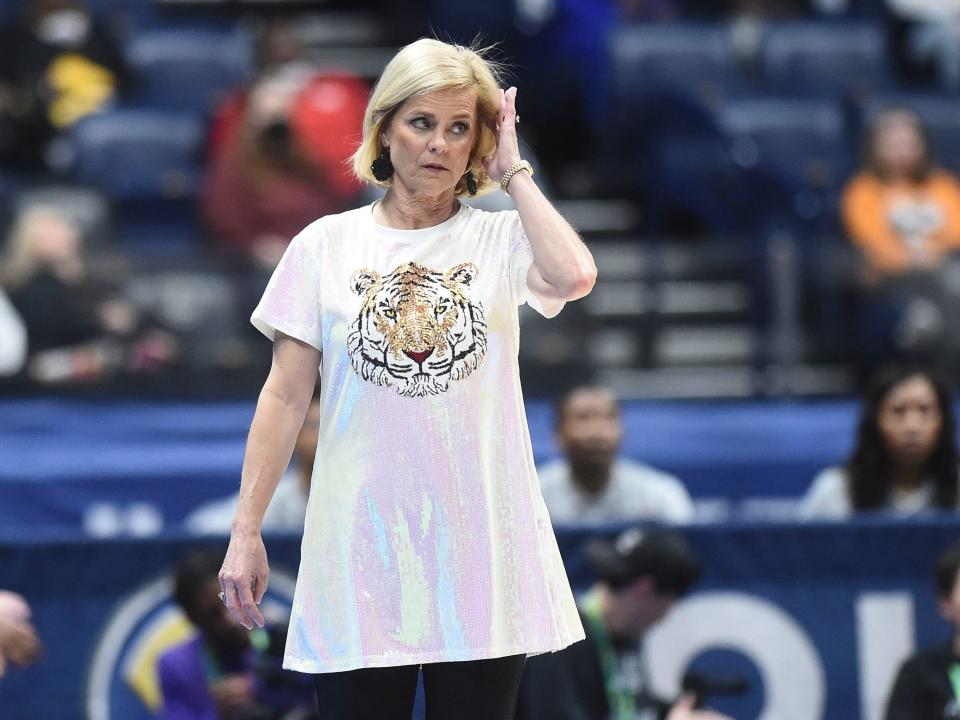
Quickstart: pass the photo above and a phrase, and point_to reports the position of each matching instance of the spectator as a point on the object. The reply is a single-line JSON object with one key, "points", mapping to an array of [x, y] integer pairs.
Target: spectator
{"points": [[77, 328], [287, 509], [903, 214], [591, 484], [926, 685], [59, 64], [264, 187], [641, 575], [901, 211], [905, 460], [19, 642], [216, 674], [278, 50]]}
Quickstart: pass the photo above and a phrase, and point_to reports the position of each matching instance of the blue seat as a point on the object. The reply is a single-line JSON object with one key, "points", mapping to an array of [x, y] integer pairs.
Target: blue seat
{"points": [[188, 70], [696, 61], [804, 141], [132, 154], [824, 59], [939, 115]]}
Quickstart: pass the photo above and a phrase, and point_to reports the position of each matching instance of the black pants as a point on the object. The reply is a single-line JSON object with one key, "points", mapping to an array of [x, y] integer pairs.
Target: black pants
{"points": [[470, 690]]}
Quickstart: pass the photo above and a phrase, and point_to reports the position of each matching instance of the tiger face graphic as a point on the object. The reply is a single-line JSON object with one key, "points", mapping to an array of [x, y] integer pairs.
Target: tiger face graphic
{"points": [[417, 329]]}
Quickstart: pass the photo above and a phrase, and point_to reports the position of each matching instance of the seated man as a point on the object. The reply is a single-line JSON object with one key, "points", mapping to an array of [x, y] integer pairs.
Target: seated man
{"points": [[640, 576], [225, 672], [592, 484], [928, 684]]}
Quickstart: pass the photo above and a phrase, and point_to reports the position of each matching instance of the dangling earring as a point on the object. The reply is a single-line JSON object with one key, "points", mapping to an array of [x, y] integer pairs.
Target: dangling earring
{"points": [[382, 168], [471, 183]]}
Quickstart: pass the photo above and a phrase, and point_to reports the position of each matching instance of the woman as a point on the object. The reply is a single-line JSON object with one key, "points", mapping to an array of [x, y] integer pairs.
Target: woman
{"points": [[905, 461], [78, 328], [426, 540], [903, 215], [264, 187], [901, 211]]}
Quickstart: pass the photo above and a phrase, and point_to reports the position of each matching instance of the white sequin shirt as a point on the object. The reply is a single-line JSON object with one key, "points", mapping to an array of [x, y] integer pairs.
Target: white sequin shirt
{"points": [[426, 536]]}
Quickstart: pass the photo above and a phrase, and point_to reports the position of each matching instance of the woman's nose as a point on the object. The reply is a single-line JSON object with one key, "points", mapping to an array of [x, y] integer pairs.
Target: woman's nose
{"points": [[438, 143]]}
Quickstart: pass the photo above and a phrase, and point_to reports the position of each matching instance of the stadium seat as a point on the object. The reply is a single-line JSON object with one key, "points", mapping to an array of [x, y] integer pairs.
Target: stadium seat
{"points": [[138, 153], [940, 116], [188, 70], [824, 59], [802, 140], [697, 61]]}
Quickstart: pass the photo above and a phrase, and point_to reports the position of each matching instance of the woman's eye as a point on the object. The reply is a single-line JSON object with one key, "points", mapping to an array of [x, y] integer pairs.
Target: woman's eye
{"points": [[460, 128], [420, 122]]}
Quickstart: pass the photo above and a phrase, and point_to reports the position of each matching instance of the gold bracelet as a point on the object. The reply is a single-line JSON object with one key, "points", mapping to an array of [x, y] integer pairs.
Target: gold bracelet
{"points": [[513, 170]]}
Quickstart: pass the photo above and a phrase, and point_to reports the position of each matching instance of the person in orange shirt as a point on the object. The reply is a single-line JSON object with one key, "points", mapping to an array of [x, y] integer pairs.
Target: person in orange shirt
{"points": [[900, 210], [902, 214]]}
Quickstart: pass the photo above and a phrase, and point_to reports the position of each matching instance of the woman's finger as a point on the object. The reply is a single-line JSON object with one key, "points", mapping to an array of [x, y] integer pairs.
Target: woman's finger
{"points": [[249, 611]]}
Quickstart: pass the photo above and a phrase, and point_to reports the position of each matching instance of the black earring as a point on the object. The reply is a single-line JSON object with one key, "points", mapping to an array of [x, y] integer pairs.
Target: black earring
{"points": [[471, 183], [382, 168]]}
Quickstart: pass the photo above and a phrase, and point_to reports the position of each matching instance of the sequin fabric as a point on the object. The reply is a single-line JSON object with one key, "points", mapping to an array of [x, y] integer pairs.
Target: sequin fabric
{"points": [[426, 538]]}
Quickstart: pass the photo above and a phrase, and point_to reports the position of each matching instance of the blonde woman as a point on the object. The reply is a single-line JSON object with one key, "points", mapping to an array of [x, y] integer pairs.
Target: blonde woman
{"points": [[426, 542]]}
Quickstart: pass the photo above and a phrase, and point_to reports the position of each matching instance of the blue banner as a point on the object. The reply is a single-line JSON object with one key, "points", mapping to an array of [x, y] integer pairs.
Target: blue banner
{"points": [[136, 469], [815, 618]]}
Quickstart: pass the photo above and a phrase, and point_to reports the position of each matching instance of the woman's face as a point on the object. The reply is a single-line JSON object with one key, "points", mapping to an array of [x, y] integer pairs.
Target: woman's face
{"points": [[910, 421], [898, 145], [430, 137], [53, 240]]}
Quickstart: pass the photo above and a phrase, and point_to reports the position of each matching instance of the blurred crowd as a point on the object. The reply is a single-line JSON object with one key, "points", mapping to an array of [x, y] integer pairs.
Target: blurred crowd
{"points": [[154, 164]]}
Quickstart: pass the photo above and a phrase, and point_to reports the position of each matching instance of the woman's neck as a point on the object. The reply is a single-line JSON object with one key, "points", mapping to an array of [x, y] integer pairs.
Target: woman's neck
{"points": [[908, 478], [408, 210]]}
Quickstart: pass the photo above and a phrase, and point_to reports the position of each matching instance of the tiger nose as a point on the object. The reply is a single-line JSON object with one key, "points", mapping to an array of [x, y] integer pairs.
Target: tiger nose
{"points": [[418, 356]]}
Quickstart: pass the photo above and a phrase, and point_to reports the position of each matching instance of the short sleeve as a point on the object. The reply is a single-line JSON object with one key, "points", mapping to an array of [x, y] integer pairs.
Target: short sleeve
{"points": [[521, 258], [827, 497], [291, 302]]}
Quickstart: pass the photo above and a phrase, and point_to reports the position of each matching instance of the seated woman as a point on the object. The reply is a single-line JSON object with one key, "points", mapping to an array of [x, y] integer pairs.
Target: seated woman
{"points": [[905, 459], [902, 213], [78, 328]]}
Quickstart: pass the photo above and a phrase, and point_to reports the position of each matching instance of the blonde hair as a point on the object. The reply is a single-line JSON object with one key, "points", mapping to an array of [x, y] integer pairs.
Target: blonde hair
{"points": [[426, 66], [19, 259]]}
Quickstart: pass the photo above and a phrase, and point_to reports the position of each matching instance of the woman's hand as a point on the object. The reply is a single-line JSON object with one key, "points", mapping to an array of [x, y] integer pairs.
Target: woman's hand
{"points": [[505, 130], [243, 577]]}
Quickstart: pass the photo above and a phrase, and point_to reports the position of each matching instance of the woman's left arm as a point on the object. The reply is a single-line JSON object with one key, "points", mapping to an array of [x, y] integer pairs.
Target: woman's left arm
{"points": [[563, 268]]}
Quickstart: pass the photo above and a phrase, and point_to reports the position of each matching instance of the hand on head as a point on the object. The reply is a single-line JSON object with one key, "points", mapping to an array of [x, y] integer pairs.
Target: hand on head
{"points": [[505, 130]]}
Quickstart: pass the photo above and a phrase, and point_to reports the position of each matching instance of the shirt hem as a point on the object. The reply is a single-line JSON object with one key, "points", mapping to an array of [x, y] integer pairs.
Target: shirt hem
{"points": [[356, 663]]}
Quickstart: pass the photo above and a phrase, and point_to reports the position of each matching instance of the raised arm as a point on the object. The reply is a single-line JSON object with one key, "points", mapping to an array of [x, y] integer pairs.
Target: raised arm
{"points": [[563, 268], [280, 411]]}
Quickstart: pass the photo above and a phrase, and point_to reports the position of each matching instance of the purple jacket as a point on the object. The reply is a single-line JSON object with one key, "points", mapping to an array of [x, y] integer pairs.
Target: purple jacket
{"points": [[183, 683]]}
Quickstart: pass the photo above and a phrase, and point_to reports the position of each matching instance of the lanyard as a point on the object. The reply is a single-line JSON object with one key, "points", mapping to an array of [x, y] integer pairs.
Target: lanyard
{"points": [[954, 674], [623, 703]]}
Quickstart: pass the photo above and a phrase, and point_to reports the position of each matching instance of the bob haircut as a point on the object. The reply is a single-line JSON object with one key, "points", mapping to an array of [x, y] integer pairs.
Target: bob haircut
{"points": [[427, 66]]}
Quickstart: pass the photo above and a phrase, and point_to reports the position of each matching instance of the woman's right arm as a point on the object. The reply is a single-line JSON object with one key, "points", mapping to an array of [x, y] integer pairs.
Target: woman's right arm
{"points": [[280, 411]]}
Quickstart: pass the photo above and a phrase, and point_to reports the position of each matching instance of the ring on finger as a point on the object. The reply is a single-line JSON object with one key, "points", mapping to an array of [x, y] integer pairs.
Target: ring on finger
{"points": [[223, 597], [516, 120]]}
